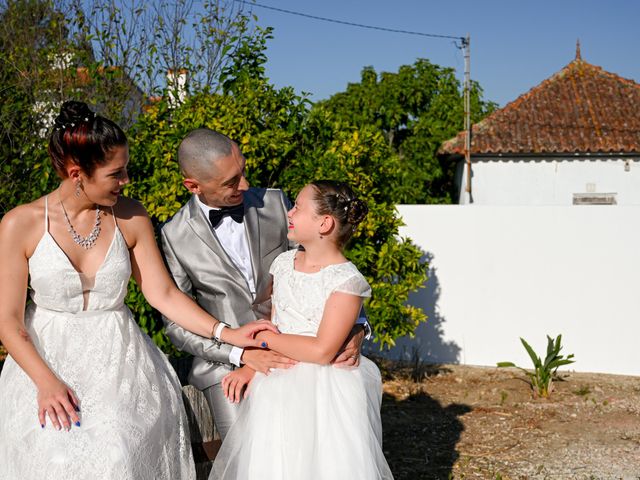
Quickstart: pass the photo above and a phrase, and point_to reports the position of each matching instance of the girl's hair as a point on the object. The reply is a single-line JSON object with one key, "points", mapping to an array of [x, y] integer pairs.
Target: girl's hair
{"points": [[338, 200], [83, 138]]}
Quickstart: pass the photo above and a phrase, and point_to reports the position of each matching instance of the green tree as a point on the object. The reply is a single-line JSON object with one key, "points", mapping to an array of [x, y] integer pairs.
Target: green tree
{"points": [[111, 54], [415, 110], [286, 146], [32, 33]]}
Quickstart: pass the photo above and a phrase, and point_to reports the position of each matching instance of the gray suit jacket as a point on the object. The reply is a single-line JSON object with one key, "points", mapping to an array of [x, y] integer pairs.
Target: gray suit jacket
{"points": [[202, 269]]}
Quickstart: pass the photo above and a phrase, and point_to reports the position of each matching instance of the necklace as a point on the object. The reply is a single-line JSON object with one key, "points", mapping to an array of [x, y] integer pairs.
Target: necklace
{"points": [[88, 241]]}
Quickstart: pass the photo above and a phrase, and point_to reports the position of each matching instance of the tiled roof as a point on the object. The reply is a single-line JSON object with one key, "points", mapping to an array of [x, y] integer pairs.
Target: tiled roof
{"points": [[580, 109]]}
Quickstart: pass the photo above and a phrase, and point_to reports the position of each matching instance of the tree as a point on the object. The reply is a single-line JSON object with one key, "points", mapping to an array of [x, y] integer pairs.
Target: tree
{"points": [[32, 34], [415, 110], [286, 145], [111, 54]]}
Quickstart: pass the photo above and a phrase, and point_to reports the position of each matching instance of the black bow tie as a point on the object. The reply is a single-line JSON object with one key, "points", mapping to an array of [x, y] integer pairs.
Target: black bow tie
{"points": [[236, 213]]}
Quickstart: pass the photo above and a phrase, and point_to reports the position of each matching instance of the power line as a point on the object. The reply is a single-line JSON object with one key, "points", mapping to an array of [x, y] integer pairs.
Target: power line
{"points": [[351, 24]]}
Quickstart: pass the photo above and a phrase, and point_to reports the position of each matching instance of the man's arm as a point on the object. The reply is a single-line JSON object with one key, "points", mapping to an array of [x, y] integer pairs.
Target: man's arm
{"points": [[182, 339]]}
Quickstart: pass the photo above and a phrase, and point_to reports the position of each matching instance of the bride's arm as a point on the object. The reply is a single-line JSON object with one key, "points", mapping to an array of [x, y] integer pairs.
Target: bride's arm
{"points": [[159, 289], [17, 236], [340, 313]]}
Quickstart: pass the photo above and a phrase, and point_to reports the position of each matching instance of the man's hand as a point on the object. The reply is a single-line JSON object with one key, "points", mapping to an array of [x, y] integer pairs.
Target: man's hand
{"points": [[349, 355], [263, 360]]}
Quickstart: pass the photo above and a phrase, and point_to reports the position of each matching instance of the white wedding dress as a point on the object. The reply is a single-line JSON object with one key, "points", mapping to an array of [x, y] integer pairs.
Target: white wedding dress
{"points": [[133, 424], [311, 422]]}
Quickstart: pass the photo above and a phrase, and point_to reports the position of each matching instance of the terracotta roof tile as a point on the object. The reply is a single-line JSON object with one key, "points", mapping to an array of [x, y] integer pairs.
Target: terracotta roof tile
{"points": [[582, 108]]}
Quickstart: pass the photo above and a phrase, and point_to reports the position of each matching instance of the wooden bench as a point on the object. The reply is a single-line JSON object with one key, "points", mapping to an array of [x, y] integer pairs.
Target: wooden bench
{"points": [[205, 440]]}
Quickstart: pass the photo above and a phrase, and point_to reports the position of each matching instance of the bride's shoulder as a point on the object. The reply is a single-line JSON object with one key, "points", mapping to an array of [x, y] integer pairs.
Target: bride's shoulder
{"points": [[24, 216], [127, 207], [24, 223]]}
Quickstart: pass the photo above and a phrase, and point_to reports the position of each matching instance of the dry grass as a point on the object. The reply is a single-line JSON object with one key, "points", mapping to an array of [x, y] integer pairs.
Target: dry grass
{"points": [[452, 421]]}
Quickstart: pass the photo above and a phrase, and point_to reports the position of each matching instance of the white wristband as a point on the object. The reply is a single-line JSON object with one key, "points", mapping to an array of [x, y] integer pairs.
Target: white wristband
{"points": [[218, 331]]}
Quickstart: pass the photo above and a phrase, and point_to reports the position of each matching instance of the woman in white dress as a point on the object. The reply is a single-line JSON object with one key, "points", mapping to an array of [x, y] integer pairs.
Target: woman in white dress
{"points": [[84, 394], [312, 421]]}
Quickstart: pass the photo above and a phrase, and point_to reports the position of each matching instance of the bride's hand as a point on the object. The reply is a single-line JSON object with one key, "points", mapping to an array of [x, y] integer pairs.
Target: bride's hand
{"points": [[244, 336], [59, 403]]}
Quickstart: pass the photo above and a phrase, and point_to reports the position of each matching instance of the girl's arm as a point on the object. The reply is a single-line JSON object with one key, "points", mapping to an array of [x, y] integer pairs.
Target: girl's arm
{"points": [[54, 397], [161, 292], [340, 314]]}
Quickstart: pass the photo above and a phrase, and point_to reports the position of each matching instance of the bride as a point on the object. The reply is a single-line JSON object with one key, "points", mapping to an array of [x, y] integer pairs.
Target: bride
{"points": [[84, 394]]}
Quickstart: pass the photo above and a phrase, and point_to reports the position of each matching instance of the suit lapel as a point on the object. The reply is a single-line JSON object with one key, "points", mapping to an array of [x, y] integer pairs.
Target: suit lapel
{"points": [[252, 229], [202, 228]]}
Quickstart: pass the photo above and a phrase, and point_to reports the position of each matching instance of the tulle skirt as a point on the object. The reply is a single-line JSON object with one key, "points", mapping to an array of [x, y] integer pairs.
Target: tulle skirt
{"points": [[311, 422], [133, 423]]}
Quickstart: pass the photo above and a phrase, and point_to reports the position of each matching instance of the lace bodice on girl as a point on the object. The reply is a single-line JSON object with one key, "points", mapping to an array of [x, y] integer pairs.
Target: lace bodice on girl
{"points": [[57, 285], [299, 298]]}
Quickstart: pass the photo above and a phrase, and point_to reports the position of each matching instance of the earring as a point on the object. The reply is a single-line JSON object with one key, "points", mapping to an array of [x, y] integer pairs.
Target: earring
{"points": [[78, 187]]}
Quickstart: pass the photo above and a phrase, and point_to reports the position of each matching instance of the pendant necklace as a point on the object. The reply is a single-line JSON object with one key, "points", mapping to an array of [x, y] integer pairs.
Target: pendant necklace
{"points": [[88, 241]]}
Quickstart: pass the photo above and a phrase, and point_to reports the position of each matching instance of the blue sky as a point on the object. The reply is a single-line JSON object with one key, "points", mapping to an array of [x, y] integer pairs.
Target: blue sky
{"points": [[514, 44]]}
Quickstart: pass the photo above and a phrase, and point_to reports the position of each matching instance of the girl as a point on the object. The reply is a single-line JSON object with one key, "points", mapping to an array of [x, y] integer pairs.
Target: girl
{"points": [[84, 393], [312, 421]]}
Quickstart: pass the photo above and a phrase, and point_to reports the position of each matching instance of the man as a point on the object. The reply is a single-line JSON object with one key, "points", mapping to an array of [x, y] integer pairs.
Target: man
{"points": [[219, 247]]}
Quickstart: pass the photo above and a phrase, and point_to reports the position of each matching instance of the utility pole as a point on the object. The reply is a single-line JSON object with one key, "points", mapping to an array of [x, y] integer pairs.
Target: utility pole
{"points": [[467, 115]]}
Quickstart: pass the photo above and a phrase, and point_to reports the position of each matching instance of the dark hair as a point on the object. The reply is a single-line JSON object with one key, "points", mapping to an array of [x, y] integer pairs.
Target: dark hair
{"points": [[338, 200], [83, 138]]}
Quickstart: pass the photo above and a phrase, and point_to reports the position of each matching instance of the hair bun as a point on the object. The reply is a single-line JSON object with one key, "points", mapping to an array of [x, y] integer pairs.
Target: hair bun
{"points": [[357, 211], [72, 113]]}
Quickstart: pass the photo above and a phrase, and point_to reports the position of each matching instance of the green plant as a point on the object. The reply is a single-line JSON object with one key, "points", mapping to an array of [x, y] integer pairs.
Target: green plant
{"points": [[414, 109], [544, 372], [583, 390]]}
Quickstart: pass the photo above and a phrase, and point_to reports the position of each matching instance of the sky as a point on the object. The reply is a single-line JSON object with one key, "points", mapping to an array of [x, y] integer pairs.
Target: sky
{"points": [[515, 44]]}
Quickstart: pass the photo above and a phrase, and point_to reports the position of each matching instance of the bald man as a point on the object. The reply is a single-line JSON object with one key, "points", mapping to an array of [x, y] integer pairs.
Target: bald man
{"points": [[219, 247]]}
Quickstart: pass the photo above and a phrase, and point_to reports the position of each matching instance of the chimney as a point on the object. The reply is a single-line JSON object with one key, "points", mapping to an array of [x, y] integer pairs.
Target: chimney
{"points": [[177, 86]]}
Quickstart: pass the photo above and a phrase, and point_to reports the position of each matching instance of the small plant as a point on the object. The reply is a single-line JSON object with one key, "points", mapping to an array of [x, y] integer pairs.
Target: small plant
{"points": [[544, 372], [503, 397], [583, 390]]}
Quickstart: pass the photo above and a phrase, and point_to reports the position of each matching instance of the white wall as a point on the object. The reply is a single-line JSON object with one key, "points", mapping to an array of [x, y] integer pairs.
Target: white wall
{"points": [[499, 273], [551, 181]]}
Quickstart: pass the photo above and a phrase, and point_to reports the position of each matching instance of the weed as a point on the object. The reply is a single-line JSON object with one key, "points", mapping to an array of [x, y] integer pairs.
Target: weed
{"points": [[418, 367], [503, 397], [583, 390], [544, 372]]}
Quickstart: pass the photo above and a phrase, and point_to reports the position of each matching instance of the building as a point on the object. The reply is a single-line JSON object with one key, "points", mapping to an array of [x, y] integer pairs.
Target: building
{"points": [[572, 139]]}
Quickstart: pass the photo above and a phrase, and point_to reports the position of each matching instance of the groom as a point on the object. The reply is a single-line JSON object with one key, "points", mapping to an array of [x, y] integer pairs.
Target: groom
{"points": [[219, 247]]}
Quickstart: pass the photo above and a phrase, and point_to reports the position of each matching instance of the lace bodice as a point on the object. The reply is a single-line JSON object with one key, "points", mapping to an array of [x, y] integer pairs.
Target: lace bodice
{"points": [[56, 285], [299, 297]]}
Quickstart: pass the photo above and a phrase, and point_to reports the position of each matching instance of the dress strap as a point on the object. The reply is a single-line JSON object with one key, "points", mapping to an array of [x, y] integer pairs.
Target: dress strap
{"points": [[46, 213], [115, 222]]}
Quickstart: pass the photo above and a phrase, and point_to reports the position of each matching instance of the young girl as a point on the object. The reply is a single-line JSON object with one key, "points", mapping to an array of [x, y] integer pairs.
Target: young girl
{"points": [[312, 421]]}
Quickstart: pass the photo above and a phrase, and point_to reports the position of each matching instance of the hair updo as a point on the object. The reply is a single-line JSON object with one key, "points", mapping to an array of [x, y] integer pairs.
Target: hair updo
{"points": [[83, 138], [338, 200]]}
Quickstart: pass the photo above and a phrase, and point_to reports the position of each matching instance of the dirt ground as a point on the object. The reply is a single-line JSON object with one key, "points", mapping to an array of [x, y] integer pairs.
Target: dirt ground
{"points": [[464, 422]]}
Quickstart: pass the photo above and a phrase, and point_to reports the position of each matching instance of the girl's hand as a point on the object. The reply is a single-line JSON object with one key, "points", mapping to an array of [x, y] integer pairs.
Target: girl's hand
{"points": [[234, 382], [59, 403], [245, 336]]}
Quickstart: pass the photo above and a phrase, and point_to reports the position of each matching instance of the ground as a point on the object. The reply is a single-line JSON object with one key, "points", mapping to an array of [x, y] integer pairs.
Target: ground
{"points": [[465, 422]]}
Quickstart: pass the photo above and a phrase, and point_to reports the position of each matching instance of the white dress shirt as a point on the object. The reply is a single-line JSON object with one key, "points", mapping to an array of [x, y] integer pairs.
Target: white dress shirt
{"points": [[233, 238]]}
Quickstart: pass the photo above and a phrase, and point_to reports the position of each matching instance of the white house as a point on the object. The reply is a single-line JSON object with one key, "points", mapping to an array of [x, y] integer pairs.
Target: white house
{"points": [[573, 139]]}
